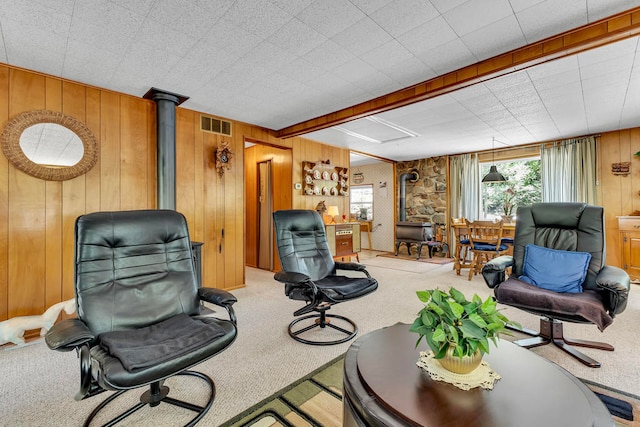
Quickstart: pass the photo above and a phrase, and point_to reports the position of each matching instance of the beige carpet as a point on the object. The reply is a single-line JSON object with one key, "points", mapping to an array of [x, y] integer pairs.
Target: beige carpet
{"points": [[38, 384], [412, 257]]}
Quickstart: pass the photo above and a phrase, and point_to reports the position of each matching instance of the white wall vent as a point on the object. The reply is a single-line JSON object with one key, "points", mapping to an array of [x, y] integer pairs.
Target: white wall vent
{"points": [[213, 125]]}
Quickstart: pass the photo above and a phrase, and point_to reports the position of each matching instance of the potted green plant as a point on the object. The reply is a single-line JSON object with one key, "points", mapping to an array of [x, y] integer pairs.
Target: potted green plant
{"points": [[457, 330]]}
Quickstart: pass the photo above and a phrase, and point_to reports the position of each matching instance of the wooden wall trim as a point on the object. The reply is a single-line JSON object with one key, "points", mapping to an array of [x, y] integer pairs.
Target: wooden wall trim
{"points": [[596, 34]]}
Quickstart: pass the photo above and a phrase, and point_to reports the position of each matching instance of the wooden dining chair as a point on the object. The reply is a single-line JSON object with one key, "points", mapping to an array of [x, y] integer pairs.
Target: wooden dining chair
{"points": [[463, 245], [485, 238]]}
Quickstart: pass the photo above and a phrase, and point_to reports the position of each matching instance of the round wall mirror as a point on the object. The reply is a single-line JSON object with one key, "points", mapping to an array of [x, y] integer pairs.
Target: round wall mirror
{"points": [[49, 145]]}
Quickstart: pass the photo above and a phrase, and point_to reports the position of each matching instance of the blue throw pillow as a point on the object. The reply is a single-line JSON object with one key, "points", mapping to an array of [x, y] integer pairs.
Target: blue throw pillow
{"points": [[559, 271]]}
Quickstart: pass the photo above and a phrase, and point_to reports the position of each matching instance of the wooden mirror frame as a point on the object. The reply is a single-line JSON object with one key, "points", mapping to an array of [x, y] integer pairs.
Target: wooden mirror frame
{"points": [[10, 141]]}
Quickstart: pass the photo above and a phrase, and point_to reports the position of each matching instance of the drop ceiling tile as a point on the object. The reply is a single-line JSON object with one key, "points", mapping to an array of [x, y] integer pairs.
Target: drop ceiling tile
{"points": [[409, 72], [297, 38], [291, 7], [258, 17], [301, 70], [370, 6], [495, 38], [48, 52], [232, 39], [378, 84], [160, 36], [89, 64], [551, 81], [599, 9], [447, 57], [40, 15], [445, 5], [551, 17], [611, 52], [429, 35], [518, 5], [142, 7], [104, 25], [193, 20], [354, 69], [362, 37], [473, 15], [3, 48], [328, 55], [329, 17], [387, 55], [401, 16], [554, 67]]}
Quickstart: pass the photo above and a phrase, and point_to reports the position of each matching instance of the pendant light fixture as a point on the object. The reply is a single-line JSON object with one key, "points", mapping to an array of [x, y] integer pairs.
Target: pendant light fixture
{"points": [[493, 175]]}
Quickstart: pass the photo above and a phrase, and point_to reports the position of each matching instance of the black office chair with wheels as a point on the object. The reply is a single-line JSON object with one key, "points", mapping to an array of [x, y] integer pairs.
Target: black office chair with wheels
{"points": [[138, 307], [309, 274], [558, 272]]}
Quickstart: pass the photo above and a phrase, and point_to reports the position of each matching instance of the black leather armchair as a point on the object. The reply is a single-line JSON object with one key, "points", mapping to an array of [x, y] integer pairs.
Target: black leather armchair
{"points": [[138, 307], [567, 227], [309, 274]]}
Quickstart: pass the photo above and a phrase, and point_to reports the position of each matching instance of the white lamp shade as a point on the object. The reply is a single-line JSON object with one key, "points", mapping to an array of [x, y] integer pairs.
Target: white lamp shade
{"points": [[333, 211]]}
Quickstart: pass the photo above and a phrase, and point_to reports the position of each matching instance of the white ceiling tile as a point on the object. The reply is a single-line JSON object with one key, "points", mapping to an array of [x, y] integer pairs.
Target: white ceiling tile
{"points": [[447, 57], [409, 71], [370, 6], [329, 17], [160, 36], [445, 5], [233, 40], [193, 20], [328, 55], [401, 16], [362, 37], [551, 17], [297, 38], [386, 55], [518, 5], [473, 15], [495, 38], [291, 7], [301, 70], [259, 17], [429, 35], [599, 9]]}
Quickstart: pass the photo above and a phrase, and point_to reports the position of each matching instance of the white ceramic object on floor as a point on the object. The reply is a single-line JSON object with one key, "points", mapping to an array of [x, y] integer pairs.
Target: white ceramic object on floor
{"points": [[12, 330]]}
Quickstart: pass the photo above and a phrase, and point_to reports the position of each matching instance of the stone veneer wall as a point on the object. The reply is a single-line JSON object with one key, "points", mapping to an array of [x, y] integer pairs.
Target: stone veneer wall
{"points": [[426, 199]]}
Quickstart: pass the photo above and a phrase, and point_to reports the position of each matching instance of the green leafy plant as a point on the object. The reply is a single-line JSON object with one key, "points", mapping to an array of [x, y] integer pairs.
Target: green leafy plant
{"points": [[450, 320]]}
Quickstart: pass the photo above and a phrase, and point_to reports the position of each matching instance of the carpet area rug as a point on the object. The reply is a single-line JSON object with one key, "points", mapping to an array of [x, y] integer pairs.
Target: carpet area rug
{"points": [[425, 258], [316, 400]]}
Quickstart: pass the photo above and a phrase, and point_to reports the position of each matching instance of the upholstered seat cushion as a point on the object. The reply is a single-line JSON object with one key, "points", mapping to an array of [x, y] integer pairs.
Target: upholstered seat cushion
{"points": [[339, 288], [143, 347], [488, 247], [115, 375], [586, 305]]}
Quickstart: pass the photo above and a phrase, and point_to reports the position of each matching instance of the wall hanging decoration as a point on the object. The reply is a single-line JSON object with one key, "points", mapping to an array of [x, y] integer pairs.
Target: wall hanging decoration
{"points": [[621, 168], [223, 158], [321, 178]]}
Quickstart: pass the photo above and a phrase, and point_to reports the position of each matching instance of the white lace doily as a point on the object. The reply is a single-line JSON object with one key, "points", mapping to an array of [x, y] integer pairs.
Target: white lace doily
{"points": [[483, 376]]}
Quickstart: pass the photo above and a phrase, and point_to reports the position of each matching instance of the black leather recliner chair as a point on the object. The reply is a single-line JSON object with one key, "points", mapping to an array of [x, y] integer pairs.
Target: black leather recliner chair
{"points": [[138, 305], [309, 274], [566, 227]]}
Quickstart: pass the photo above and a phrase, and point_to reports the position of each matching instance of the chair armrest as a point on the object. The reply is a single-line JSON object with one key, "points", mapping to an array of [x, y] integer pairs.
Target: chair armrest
{"points": [[351, 266], [217, 296], [494, 272], [68, 334], [617, 281], [291, 277]]}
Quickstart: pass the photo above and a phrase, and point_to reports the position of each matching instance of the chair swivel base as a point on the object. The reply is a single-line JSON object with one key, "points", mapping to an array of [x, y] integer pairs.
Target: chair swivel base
{"points": [[321, 321], [551, 332], [157, 394]]}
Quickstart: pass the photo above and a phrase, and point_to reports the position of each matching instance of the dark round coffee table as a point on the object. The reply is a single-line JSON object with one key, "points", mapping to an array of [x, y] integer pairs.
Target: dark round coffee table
{"points": [[384, 387]]}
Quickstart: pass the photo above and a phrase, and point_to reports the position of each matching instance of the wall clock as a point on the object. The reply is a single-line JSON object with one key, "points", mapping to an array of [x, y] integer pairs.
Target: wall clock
{"points": [[223, 158]]}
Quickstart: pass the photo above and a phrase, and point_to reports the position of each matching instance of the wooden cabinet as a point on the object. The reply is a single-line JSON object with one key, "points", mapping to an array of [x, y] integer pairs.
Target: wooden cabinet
{"points": [[629, 228], [344, 239]]}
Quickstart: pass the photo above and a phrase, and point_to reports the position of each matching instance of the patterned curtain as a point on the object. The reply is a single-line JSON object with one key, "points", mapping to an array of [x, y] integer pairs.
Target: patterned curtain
{"points": [[569, 171]]}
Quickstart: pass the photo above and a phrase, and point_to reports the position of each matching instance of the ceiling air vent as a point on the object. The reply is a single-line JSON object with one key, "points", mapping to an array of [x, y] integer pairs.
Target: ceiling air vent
{"points": [[213, 125]]}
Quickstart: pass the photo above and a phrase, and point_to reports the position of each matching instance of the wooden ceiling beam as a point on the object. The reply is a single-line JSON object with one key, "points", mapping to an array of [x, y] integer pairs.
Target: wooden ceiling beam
{"points": [[590, 36]]}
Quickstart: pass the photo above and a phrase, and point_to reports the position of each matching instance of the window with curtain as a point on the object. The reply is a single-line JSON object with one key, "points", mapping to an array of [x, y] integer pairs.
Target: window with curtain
{"points": [[523, 187]]}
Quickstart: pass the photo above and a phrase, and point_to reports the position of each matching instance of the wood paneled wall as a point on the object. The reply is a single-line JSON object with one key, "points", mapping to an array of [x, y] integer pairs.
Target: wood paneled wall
{"points": [[37, 217], [618, 194]]}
